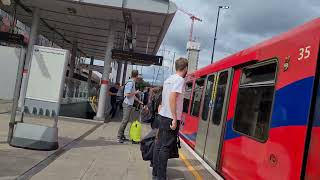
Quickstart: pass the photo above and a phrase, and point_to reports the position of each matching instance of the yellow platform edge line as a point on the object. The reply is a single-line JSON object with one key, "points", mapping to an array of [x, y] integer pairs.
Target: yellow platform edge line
{"points": [[193, 171]]}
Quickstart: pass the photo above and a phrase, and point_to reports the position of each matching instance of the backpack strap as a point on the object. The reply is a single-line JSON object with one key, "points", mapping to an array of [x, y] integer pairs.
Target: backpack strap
{"points": [[124, 87]]}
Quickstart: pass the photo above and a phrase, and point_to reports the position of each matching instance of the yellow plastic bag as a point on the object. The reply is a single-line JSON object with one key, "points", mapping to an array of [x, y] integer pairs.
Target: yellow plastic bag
{"points": [[135, 132]]}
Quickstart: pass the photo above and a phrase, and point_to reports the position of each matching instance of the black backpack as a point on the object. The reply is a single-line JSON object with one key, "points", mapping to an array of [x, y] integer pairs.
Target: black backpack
{"points": [[145, 98]]}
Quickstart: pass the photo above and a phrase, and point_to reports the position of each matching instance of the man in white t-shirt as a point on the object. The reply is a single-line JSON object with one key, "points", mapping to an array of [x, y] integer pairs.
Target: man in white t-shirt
{"points": [[170, 116], [130, 96]]}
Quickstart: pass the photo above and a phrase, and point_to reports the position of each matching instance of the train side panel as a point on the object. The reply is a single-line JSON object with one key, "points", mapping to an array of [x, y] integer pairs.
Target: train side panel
{"points": [[281, 156], [189, 123], [188, 130]]}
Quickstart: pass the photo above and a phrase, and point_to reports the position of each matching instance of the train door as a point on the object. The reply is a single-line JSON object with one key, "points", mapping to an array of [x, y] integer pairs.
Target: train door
{"points": [[203, 123], [311, 170], [209, 142]]}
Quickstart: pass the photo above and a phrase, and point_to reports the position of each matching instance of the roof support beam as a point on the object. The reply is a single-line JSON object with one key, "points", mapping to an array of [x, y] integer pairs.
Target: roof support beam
{"points": [[88, 22], [95, 18]]}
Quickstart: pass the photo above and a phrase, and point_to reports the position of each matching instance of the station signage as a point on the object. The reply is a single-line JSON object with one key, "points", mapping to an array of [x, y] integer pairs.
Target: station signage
{"points": [[137, 58]]}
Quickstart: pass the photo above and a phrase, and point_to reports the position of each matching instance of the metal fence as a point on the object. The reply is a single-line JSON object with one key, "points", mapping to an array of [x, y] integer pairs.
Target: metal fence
{"points": [[75, 91]]}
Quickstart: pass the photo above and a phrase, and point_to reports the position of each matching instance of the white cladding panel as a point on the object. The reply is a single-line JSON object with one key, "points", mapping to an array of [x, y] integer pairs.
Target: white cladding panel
{"points": [[193, 57], [193, 45], [148, 5], [9, 61], [114, 3], [47, 73]]}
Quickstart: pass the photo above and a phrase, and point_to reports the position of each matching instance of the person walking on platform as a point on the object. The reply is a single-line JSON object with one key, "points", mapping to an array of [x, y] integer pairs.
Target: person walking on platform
{"points": [[113, 99], [130, 96], [169, 119]]}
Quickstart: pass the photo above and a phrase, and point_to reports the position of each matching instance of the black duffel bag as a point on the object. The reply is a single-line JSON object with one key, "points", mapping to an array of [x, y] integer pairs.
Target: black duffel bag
{"points": [[147, 145]]}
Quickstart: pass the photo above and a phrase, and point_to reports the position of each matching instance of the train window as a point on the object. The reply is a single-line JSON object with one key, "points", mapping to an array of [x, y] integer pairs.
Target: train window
{"points": [[196, 98], [219, 97], [255, 98], [187, 97], [207, 97], [255, 75]]}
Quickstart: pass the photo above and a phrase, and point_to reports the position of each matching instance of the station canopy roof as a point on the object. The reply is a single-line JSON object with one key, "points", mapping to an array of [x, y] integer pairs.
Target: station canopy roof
{"points": [[143, 23]]}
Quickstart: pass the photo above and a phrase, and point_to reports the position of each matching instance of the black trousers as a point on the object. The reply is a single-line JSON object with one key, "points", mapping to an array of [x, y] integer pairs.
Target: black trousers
{"points": [[155, 122], [114, 107], [166, 139]]}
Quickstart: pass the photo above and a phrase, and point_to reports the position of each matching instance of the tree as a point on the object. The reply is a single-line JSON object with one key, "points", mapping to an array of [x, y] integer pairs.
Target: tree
{"points": [[141, 85]]}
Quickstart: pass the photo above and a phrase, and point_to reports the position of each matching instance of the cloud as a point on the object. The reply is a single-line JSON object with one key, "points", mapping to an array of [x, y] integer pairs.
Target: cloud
{"points": [[246, 23]]}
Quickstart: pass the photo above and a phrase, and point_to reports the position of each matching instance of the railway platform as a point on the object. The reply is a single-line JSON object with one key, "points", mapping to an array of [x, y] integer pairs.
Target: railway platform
{"points": [[88, 150]]}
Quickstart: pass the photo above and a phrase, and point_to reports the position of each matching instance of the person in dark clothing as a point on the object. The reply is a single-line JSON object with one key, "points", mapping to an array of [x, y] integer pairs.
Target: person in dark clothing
{"points": [[150, 110], [113, 99], [155, 103], [146, 94]]}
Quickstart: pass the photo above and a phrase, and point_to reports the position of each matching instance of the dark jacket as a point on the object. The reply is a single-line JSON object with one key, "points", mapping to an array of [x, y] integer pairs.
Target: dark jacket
{"points": [[156, 101]]}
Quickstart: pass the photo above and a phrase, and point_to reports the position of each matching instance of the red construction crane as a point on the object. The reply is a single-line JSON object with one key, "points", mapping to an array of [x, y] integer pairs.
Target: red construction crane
{"points": [[193, 18]]}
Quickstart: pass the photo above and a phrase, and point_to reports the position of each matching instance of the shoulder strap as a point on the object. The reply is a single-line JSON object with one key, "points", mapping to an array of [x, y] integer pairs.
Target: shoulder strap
{"points": [[125, 86], [131, 82]]}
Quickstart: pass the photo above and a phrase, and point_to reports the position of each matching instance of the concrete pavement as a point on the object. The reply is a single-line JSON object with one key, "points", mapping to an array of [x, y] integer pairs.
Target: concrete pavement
{"points": [[5, 106], [88, 150], [99, 156], [14, 162]]}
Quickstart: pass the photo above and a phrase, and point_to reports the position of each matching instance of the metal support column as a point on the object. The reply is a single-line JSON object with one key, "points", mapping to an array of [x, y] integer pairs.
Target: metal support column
{"points": [[72, 63], [73, 58], [89, 77], [105, 77], [119, 69], [27, 63], [124, 75], [173, 63], [21, 85]]}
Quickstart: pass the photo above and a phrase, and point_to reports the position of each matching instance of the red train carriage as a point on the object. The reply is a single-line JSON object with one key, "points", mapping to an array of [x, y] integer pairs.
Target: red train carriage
{"points": [[256, 114]]}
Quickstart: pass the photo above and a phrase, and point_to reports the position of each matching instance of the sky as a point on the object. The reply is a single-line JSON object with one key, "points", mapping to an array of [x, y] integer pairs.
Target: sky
{"points": [[245, 24]]}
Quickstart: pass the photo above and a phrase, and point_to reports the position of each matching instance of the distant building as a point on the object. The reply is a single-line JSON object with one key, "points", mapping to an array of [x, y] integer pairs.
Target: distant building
{"points": [[193, 49]]}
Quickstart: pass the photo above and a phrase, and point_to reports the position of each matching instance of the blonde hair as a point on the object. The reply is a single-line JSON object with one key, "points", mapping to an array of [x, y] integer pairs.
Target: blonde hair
{"points": [[181, 64]]}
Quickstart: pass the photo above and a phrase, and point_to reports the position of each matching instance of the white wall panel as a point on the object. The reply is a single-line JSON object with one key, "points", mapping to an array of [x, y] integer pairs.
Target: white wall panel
{"points": [[9, 60]]}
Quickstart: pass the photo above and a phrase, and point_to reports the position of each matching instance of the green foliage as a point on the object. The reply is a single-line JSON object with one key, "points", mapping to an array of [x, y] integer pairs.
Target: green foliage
{"points": [[142, 85]]}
